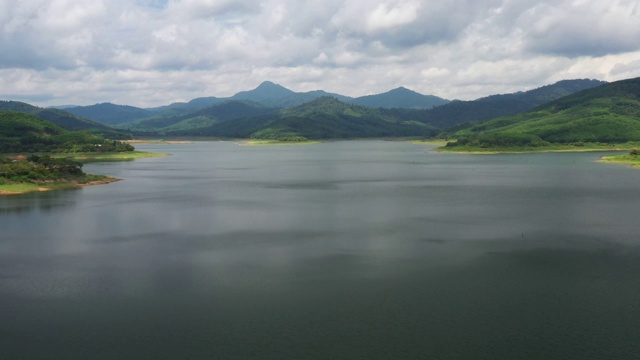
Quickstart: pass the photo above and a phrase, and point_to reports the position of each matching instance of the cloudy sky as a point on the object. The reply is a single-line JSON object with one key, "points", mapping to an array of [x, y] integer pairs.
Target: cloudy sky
{"points": [[154, 52]]}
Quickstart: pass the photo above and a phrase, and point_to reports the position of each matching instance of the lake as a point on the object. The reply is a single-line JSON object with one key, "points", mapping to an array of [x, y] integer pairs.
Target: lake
{"points": [[342, 250]]}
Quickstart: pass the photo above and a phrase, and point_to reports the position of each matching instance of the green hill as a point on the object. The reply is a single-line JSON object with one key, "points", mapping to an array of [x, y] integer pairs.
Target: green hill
{"points": [[400, 98], [483, 109], [22, 132], [226, 111], [111, 114], [272, 95], [324, 118], [606, 114], [65, 119]]}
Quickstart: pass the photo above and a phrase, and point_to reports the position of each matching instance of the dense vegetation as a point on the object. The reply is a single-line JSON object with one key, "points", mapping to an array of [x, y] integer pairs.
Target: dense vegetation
{"points": [[267, 113], [267, 97], [21, 132], [274, 112], [323, 118], [225, 111], [111, 114], [65, 120], [400, 98], [632, 159], [38, 169], [476, 111], [606, 114]]}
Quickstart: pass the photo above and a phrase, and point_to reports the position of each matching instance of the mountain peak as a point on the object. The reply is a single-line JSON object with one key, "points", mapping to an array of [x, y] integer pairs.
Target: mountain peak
{"points": [[268, 83], [271, 86], [401, 97], [266, 90], [402, 89]]}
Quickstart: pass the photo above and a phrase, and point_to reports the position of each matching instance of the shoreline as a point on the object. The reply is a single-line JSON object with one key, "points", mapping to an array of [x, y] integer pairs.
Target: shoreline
{"points": [[276, 143], [157, 142], [100, 157], [25, 188], [90, 180], [626, 159], [539, 150]]}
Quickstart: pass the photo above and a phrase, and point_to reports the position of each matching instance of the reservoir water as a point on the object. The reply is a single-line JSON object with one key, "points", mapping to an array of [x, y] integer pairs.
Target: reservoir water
{"points": [[344, 250]]}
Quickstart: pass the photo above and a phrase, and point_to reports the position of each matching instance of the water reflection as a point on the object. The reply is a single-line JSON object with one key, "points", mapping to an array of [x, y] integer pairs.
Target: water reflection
{"points": [[342, 250], [39, 201]]}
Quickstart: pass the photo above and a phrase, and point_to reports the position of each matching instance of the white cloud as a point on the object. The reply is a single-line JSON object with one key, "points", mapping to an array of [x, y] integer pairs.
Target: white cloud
{"points": [[153, 52], [387, 16]]}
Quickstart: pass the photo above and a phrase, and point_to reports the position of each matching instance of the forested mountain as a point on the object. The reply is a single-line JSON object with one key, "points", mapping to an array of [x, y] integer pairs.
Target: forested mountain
{"points": [[609, 114], [23, 132], [273, 111], [226, 111], [476, 111], [267, 94], [65, 119], [277, 96], [324, 118], [400, 98], [179, 108], [111, 114]]}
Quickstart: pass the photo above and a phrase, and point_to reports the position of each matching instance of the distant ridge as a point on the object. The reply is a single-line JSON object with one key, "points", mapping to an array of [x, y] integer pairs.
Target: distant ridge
{"points": [[323, 118], [267, 91], [64, 119], [400, 98], [110, 114], [609, 113], [268, 94], [221, 112], [245, 107], [490, 107]]}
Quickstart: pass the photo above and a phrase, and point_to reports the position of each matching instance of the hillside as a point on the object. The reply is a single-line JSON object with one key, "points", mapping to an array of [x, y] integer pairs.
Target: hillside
{"points": [[22, 132], [400, 98], [180, 108], [267, 94], [606, 114], [476, 111], [110, 114], [65, 119], [324, 118], [225, 111]]}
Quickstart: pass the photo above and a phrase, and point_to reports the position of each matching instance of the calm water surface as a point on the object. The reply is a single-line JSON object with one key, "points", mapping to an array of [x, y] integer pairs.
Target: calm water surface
{"points": [[346, 250]]}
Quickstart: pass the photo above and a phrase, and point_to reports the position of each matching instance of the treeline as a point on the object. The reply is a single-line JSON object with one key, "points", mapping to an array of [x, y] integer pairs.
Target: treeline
{"points": [[500, 140], [38, 169], [68, 142]]}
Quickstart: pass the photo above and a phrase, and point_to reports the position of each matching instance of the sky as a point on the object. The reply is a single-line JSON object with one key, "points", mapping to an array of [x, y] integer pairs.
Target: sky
{"points": [[154, 52]]}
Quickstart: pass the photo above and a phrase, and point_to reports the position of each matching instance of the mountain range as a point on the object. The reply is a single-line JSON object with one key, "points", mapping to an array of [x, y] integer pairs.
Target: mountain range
{"points": [[322, 118], [267, 94], [269, 98], [567, 111], [64, 119]]}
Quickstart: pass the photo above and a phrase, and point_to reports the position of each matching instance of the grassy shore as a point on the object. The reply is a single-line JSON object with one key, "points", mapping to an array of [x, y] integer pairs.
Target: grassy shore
{"points": [[23, 188], [85, 180], [586, 147], [276, 143], [98, 157], [631, 160], [433, 142], [158, 142]]}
